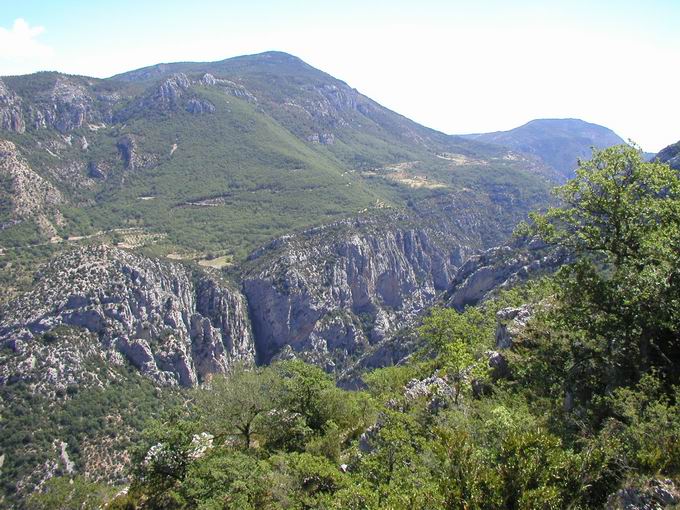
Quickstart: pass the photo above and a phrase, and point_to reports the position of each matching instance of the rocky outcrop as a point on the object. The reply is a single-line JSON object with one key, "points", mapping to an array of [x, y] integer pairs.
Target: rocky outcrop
{"points": [[173, 325], [168, 93], [11, 117], [510, 322], [127, 146], [670, 155], [499, 268], [200, 106], [65, 104], [29, 196], [332, 291], [228, 86], [322, 138], [53, 363], [656, 494], [69, 106], [130, 153]]}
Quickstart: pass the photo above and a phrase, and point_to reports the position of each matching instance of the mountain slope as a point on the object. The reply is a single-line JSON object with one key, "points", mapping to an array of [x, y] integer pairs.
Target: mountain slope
{"points": [[670, 155], [560, 143], [221, 157]]}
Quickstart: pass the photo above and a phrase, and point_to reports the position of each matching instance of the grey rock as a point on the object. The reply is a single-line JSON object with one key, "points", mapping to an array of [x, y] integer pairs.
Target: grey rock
{"points": [[436, 390], [168, 93], [656, 494], [131, 155], [322, 138], [670, 155], [66, 106], [175, 326], [498, 365], [336, 289], [208, 80], [98, 169], [127, 146], [31, 196], [510, 322], [498, 268], [11, 116], [200, 106]]}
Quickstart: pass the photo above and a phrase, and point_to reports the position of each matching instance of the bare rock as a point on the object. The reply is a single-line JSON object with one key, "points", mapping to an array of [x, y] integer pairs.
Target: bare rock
{"points": [[656, 494], [11, 117], [173, 325], [200, 106], [498, 268], [30, 196], [336, 289], [509, 323]]}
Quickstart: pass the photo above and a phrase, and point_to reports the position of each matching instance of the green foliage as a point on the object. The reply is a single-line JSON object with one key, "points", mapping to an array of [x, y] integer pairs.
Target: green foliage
{"points": [[234, 405], [112, 415], [387, 382], [592, 399], [70, 494], [455, 338], [617, 304]]}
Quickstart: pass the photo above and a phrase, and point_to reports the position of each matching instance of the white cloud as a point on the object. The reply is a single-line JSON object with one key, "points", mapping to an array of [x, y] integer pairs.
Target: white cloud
{"points": [[20, 41]]}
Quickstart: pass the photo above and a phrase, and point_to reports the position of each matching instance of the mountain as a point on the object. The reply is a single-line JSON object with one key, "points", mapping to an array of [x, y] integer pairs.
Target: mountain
{"points": [[166, 224], [559, 143], [175, 146], [670, 155]]}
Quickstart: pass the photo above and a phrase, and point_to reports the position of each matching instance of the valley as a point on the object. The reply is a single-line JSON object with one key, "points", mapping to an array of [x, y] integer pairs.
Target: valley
{"points": [[170, 225]]}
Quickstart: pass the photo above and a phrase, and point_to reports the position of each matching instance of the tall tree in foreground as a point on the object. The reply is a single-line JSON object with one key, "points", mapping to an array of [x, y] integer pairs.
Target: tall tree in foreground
{"points": [[233, 405], [620, 217]]}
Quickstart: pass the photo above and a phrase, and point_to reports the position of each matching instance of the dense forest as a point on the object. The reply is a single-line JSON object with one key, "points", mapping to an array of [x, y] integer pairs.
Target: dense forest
{"points": [[575, 407]]}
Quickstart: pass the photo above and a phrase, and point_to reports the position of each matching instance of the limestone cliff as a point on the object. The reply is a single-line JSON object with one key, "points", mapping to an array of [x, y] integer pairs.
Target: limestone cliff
{"points": [[25, 194], [330, 292], [498, 268], [173, 325]]}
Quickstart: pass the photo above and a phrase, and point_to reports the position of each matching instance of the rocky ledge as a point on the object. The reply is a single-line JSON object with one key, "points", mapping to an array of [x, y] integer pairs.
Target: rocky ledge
{"points": [[501, 267]]}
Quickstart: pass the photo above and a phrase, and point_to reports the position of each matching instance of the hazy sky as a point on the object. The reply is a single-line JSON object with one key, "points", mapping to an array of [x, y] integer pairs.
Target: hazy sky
{"points": [[457, 66]]}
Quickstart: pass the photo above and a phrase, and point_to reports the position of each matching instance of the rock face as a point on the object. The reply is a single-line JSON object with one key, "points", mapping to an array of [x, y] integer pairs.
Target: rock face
{"points": [[65, 103], [133, 158], [509, 323], [28, 195], [200, 106], [499, 268], [331, 291], [11, 117], [174, 326], [670, 155], [54, 364], [657, 494], [127, 145]]}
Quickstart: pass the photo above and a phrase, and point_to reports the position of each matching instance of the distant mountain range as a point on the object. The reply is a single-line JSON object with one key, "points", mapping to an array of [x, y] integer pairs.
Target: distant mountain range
{"points": [[559, 143]]}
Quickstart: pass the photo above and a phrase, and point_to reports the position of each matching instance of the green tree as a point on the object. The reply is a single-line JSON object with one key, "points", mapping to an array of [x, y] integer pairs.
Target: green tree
{"points": [[454, 337], [620, 218], [306, 390], [233, 404]]}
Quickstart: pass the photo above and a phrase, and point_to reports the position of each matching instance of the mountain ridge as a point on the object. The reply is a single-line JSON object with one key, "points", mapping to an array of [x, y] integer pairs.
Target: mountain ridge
{"points": [[559, 142]]}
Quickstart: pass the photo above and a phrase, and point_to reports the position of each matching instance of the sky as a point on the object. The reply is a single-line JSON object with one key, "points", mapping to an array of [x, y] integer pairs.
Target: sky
{"points": [[457, 66]]}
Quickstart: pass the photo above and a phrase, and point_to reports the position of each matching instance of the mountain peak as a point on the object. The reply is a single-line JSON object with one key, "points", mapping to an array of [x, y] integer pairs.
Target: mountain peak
{"points": [[558, 142]]}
